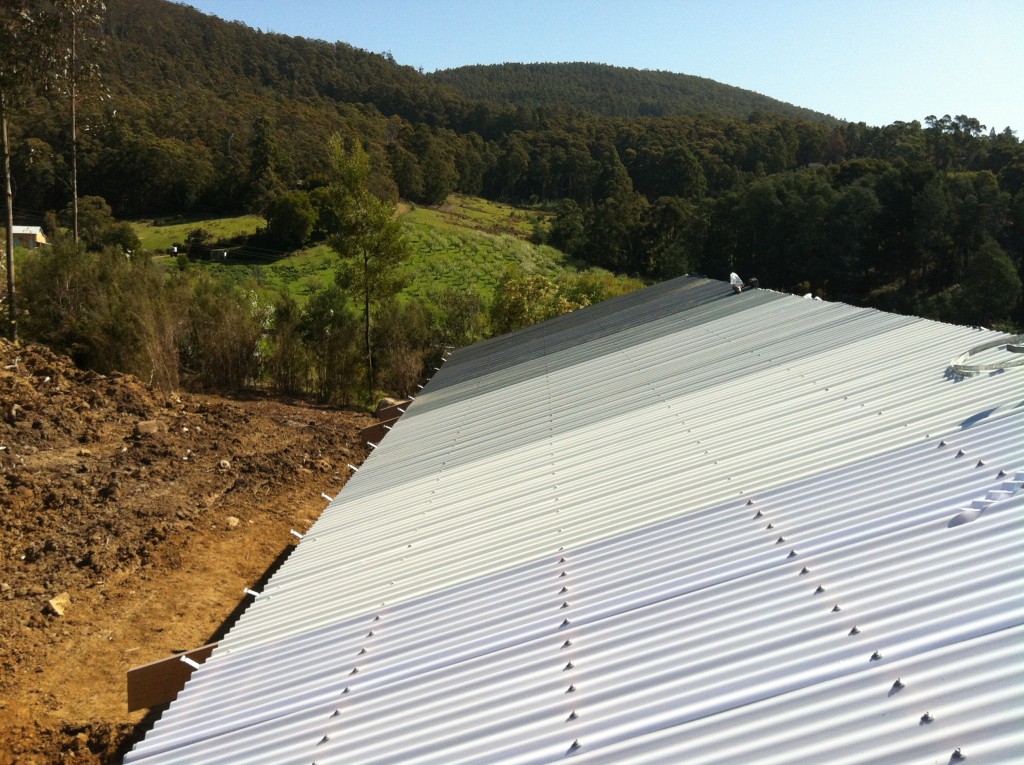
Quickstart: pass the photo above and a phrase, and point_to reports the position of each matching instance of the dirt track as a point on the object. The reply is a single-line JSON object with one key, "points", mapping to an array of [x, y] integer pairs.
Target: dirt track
{"points": [[151, 536]]}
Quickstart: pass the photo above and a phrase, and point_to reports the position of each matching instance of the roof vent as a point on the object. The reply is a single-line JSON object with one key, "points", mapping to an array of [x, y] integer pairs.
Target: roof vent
{"points": [[1013, 344]]}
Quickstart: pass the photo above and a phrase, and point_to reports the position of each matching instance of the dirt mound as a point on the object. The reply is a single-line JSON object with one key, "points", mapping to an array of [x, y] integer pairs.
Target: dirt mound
{"points": [[130, 522]]}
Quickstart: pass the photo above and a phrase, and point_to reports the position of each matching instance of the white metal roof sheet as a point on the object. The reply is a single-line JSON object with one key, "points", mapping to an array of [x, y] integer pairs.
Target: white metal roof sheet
{"points": [[684, 533]]}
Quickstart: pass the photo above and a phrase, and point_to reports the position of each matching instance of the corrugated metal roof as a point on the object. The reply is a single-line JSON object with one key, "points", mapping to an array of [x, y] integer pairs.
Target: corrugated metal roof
{"points": [[680, 525]]}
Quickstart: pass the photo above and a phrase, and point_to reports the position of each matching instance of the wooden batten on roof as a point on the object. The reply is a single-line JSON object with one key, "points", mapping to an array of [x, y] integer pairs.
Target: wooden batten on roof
{"points": [[160, 681]]}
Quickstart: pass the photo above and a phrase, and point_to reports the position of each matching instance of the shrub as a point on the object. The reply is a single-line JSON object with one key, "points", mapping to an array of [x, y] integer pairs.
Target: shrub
{"points": [[220, 349], [331, 333], [106, 310]]}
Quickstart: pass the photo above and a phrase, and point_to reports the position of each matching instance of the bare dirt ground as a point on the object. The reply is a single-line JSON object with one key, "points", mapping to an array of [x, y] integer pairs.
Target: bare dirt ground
{"points": [[145, 541]]}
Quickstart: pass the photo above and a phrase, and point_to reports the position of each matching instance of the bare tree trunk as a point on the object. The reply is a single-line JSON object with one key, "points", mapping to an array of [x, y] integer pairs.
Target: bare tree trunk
{"points": [[12, 329], [74, 129], [371, 386]]}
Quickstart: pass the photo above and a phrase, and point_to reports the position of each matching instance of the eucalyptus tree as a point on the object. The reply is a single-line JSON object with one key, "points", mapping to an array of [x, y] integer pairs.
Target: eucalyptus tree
{"points": [[26, 60], [366, 232], [78, 24]]}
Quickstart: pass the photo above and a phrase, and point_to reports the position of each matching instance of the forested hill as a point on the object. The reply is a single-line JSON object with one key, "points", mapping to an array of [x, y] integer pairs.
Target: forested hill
{"points": [[202, 115], [613, 91]]}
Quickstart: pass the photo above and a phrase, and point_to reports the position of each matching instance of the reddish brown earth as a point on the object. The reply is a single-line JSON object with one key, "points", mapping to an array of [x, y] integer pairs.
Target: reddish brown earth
{"points": [[152, 537]]}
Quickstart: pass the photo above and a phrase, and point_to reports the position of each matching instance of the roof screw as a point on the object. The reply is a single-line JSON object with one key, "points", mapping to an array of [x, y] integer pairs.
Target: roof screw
{"points": [[337, 712], [347, 690], [324, 740], [836, 608], [362, 650], [566, 644], [927, 718], [898, 685], [804, 570], [855, 630], [564, 573], [575, 745], [876, 656], [572, 716], [377, 618], [961, 453], [792, 554], [958, 755], [770, 526], [981, 463], [780, 540], [371, 633], [820, 589], [565, 604], [566, 622], [750, 501], [1000, 474], [758, 514], [564, 589], [571, 689], [562, 560], [568, 666], [355, 670]]}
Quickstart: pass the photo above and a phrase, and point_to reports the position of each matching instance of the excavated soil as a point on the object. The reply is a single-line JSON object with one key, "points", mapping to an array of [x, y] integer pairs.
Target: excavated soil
{"points": [[130, 522]]}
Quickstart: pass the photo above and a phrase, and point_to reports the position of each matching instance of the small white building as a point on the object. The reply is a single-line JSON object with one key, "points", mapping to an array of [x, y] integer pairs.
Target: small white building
{"points": [[29, 237]]}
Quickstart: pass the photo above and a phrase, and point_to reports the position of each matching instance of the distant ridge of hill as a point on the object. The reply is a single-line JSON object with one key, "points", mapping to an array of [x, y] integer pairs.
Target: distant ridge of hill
{"points": [[612, 91]]}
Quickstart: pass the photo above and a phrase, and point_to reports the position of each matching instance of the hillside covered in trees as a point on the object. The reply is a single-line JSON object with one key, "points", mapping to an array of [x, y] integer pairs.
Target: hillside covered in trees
{"points": [[612, 91], [647, 173]]}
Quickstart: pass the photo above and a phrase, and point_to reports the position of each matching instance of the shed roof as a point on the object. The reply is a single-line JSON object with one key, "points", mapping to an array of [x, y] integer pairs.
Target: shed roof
{"points": [[679, 524]]}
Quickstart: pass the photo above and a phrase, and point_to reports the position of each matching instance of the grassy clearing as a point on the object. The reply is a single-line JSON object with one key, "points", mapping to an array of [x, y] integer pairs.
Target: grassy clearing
{"points": [[160, 235], [466, 242]]}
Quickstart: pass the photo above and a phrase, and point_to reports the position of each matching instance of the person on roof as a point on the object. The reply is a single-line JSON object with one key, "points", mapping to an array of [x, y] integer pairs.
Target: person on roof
{"points": [[736, 282]]}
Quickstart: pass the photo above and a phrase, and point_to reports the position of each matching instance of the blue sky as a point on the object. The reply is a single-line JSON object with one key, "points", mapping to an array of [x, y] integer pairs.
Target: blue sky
{"points": [[859, 60]]}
